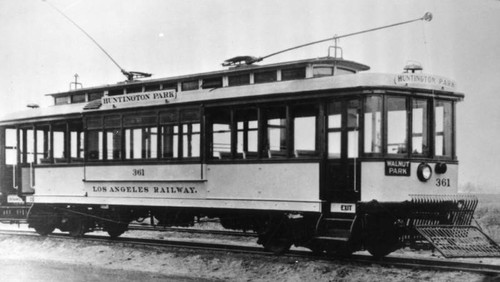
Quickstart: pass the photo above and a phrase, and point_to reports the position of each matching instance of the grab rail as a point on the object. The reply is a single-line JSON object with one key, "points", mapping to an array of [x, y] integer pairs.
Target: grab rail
{"points": [[14, 174]]}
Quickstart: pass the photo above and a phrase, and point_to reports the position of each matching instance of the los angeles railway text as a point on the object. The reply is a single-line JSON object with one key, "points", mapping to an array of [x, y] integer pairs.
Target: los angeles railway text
{"points": [[145, 189]]}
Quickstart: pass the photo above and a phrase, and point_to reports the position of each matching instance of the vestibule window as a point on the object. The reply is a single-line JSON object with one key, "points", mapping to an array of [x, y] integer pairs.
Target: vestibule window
{"points": [[304, 130]]}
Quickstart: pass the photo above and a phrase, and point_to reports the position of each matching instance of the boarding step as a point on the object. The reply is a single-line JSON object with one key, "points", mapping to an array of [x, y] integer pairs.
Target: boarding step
{"points": [[332, 239], [459, 241], [333, 219], [336, 223]]}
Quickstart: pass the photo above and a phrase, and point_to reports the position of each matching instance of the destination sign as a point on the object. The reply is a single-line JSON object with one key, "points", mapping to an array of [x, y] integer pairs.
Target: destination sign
{"points": [[397, 168], [153, 97], [424, 79]]}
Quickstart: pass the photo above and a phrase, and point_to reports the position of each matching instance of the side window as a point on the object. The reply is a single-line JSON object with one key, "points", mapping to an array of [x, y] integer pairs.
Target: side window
{"points": [[170, 141], [247, 133], [343, 125], [113, 144], [373, 125], [94, 145], [141, 143], [221, 134], [180, 134], [42, 144], [113, 137], [304, 130], [10, 146], [190, 140], [276, 132], [169, 135], [76, 141], [444, 126], [58, 143], [141, 136]]}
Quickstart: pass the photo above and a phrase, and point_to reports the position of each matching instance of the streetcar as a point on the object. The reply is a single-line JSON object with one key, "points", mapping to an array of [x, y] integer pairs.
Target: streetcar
{"points": [[318, 153]]}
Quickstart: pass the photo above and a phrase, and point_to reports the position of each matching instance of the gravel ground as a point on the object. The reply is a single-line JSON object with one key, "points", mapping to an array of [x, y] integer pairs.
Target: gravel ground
{"points": [[116, 259]]}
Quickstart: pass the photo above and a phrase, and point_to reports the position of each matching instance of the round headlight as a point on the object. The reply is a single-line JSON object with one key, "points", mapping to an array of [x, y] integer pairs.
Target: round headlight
{"points": [[424, 172], [440, 168]]}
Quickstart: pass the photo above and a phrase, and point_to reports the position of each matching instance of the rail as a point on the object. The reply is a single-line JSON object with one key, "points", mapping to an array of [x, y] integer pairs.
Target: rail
{"points": [[391, 261]]}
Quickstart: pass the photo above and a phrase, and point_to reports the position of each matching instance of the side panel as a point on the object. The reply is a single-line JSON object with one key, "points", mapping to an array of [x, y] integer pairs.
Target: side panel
{"points": [[377, 186], [273, 183], [252, 186], [59, 182]]}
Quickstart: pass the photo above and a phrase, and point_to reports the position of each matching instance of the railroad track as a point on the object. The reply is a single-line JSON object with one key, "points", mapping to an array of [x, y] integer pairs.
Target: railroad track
{"points": [[139, 227], [391, 261]]}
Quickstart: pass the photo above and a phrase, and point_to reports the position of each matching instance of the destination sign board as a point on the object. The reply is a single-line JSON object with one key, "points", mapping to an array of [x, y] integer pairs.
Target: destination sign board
{"points": [[419, 79], [397, 168], [153, 97]]}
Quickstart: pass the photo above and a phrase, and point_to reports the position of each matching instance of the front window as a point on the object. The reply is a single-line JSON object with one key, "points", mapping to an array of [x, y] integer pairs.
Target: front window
{"points": [[420, 127], [443, 120], [397, 125]]}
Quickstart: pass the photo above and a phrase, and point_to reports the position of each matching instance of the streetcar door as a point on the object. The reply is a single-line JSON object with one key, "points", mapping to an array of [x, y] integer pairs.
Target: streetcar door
{"points": [[8, 159], [23, 169], [341, 170]]}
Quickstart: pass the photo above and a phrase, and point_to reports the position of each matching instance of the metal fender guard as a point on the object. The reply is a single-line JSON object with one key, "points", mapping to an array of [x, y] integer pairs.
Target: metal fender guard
{"points": [[444, 221]]}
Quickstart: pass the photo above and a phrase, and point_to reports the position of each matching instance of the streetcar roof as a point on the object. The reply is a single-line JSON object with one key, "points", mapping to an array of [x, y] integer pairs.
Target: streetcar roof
{"points": [[240, 69], [60, 112], [409, 83]]}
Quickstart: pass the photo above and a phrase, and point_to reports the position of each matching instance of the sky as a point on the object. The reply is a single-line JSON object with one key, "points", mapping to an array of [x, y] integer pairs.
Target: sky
{"points": [[41, 51]]}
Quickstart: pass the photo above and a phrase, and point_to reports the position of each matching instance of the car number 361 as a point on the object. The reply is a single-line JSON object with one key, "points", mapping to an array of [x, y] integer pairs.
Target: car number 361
{"points": [[443, 182], [138, 172]]}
